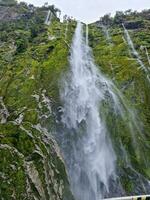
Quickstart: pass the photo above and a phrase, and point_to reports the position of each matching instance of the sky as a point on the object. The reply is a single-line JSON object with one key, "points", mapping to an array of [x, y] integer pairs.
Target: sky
{"points": [[91, 10]]}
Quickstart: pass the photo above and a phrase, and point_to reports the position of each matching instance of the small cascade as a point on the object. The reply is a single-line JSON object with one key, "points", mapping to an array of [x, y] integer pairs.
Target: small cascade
{"points": [[106, 33], [48, 18], [87, 34], [147, 54], [135, 53], [66, 30], [4, 114]]}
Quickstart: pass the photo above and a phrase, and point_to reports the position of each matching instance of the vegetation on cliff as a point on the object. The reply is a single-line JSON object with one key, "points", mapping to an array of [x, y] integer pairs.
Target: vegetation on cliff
{"points": [[113, 54], [33, 58], [30, 66]]}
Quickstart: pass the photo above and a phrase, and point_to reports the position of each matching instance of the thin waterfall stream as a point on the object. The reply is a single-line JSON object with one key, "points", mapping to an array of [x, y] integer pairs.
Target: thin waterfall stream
{"points": [[48, 18], [107, 34], [135, 53], [66, 30]]}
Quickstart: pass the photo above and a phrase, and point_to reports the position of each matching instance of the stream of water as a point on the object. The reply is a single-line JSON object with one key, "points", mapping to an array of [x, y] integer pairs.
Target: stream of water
{"points": [[92, 158], [48, 18], [86, 142], [135, 53]]}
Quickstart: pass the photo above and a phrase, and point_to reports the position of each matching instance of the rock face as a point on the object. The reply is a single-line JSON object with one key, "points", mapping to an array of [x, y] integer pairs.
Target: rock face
{"points": [[31, 164], [134, 25], [7, 13], [121, 59], [33, 58]]}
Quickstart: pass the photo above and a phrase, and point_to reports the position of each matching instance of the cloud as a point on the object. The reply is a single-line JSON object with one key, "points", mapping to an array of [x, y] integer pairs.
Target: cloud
{"points": [[91, 10]]}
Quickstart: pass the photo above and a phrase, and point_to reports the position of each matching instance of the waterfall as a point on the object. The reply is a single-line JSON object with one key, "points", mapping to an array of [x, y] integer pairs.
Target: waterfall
{"points": [[91, 158], [85, 136], [87, 34], [107, 34], [48, 18], [135, 53], [66, 30], [148, 58]]}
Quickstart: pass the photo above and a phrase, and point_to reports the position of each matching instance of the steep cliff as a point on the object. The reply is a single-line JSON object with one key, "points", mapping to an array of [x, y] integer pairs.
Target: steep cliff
{"points": [[121, 48], [31, 62], [33, 59]]}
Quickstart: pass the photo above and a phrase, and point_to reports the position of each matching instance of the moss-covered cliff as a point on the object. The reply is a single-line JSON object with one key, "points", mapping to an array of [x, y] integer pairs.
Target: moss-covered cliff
{"points": [[31, 62], [113, 53], [33, 58]]}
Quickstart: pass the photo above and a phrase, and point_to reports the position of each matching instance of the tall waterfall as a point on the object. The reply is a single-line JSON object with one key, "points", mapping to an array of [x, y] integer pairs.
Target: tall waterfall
{"points": [[91, 159], [85, 136]]}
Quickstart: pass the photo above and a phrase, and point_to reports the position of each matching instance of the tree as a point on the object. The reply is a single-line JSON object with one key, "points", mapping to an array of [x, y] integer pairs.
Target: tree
{"points": [[128, 12], [106, 19], [119, 17]]}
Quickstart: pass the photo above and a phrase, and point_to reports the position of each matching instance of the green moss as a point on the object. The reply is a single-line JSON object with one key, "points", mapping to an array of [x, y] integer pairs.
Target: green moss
{"points": [[118, 64], [13, 175], [127, 184]]}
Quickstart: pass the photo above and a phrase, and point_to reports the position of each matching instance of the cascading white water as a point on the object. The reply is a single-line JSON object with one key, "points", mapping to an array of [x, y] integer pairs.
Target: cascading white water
{"points": [[92, 159], [85, 141], [135, 53]]}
